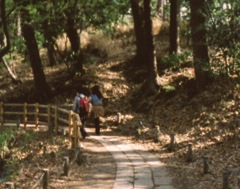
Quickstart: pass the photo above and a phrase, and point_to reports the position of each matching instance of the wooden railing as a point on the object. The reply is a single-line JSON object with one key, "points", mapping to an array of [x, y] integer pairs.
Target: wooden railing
{"points": [[55, 118]]}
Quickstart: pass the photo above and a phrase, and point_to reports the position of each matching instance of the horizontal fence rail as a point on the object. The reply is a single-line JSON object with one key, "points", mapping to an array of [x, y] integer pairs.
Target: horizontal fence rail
{"points": [[54, 118]]}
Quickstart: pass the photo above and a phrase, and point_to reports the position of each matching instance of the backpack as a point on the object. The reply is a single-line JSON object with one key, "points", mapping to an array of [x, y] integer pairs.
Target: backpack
{"points": [[84, 106]]}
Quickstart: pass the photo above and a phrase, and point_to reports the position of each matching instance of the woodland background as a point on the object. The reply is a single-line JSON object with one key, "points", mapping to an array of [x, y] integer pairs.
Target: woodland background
{"points": [[172, 64]]}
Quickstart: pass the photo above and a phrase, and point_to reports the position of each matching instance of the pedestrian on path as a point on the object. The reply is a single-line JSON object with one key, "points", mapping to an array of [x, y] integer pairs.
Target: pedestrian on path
{"points": [[77, 109], [76, 102], [96, 100], [84, 109]]}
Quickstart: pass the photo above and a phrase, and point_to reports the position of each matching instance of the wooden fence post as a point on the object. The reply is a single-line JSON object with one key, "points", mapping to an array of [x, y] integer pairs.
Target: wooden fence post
{"points": [[205, 165], [46, 178], [76, 130], [18, 123], [36, 115], [75, 134], [66, 166], [119, 118], [157, 134], [172, 142], [1, 113], [9, 185], [72, 142], [63, 132], [44, 150], [56, 119], [189, 153], [70, 122], [225, 180], [49, 118], [25, 115]]}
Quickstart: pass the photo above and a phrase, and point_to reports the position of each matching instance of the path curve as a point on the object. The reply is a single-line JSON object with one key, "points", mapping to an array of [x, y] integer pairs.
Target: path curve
{"points": [[136, 168]]}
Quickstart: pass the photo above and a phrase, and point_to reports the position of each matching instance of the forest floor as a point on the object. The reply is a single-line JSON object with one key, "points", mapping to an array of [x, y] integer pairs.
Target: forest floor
{"points": [[209, 119]]}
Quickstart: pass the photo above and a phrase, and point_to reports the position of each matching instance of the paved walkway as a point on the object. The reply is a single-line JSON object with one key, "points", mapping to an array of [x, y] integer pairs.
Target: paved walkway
{"points": [[135, 167]]}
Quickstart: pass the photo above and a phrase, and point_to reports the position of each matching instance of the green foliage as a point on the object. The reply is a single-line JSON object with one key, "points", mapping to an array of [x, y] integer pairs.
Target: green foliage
{"points": [[226, 61], [10, 139], [18, 45], [28, 137], [5, 138], [223, 36], [169, 88], [102, 14], [167, 11], [39, 38], [9, 136], [49, 18], [185, 19], [175, 61]]}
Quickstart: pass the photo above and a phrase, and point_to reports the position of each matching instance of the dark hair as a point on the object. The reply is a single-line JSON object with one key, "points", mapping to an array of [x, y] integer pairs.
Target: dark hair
{"points": [[95, 90]]}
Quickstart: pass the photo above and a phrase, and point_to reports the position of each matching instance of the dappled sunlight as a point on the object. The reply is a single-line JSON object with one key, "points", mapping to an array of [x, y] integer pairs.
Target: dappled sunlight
{"points": [[168, 77], [113, 118], [207, 119]]}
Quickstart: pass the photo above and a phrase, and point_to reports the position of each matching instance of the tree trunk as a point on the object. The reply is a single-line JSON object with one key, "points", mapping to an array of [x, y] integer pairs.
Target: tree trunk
{"points": [[8, 45], [49, 40], [73, 35], [160, 9], [41, 90], [5, 30], [199, 42], [11, 72], [74, 39], [137, 13], [50, 51], [1, 38], [174, 23], [152, 81], [18, 25]]}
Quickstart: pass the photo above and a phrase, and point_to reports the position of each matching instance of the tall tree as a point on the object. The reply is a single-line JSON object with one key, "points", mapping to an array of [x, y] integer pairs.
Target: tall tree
{"points": [[6, 49], [1, 36], [49, 25], [41, 90], [137, 13], [153, 78], [74, 36], [5, 30], [145, 52], [174, 25], [160, 8], [199, 42]]}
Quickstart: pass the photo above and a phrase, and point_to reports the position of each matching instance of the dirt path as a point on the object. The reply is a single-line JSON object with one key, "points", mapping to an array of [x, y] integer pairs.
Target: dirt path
{"points": [[98, 170], [116, 164]]}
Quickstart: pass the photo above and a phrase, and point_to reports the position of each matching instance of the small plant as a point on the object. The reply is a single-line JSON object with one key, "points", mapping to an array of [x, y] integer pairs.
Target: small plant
{"points": [[18, 45], [4, 142], [169, 88], [176, 60]]}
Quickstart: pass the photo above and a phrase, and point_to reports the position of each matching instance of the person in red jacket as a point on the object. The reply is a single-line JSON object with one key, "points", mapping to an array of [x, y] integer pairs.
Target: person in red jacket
{"points": [[83, 113]]}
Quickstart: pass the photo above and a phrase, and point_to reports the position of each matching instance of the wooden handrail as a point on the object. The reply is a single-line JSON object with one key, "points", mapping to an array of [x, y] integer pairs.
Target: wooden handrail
{"points": [[37, 114]]}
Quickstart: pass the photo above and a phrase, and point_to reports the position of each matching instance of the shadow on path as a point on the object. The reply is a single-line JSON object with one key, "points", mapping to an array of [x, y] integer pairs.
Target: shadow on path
{"points": [[130, 166]]}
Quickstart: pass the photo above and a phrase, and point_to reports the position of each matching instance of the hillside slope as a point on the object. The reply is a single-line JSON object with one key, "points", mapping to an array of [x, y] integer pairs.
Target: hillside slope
{"points": [[208, 120]]}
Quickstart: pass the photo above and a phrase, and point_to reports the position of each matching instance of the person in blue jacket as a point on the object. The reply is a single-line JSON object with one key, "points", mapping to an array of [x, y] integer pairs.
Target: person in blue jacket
{"points": [[96, 100], [76, 102]]}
